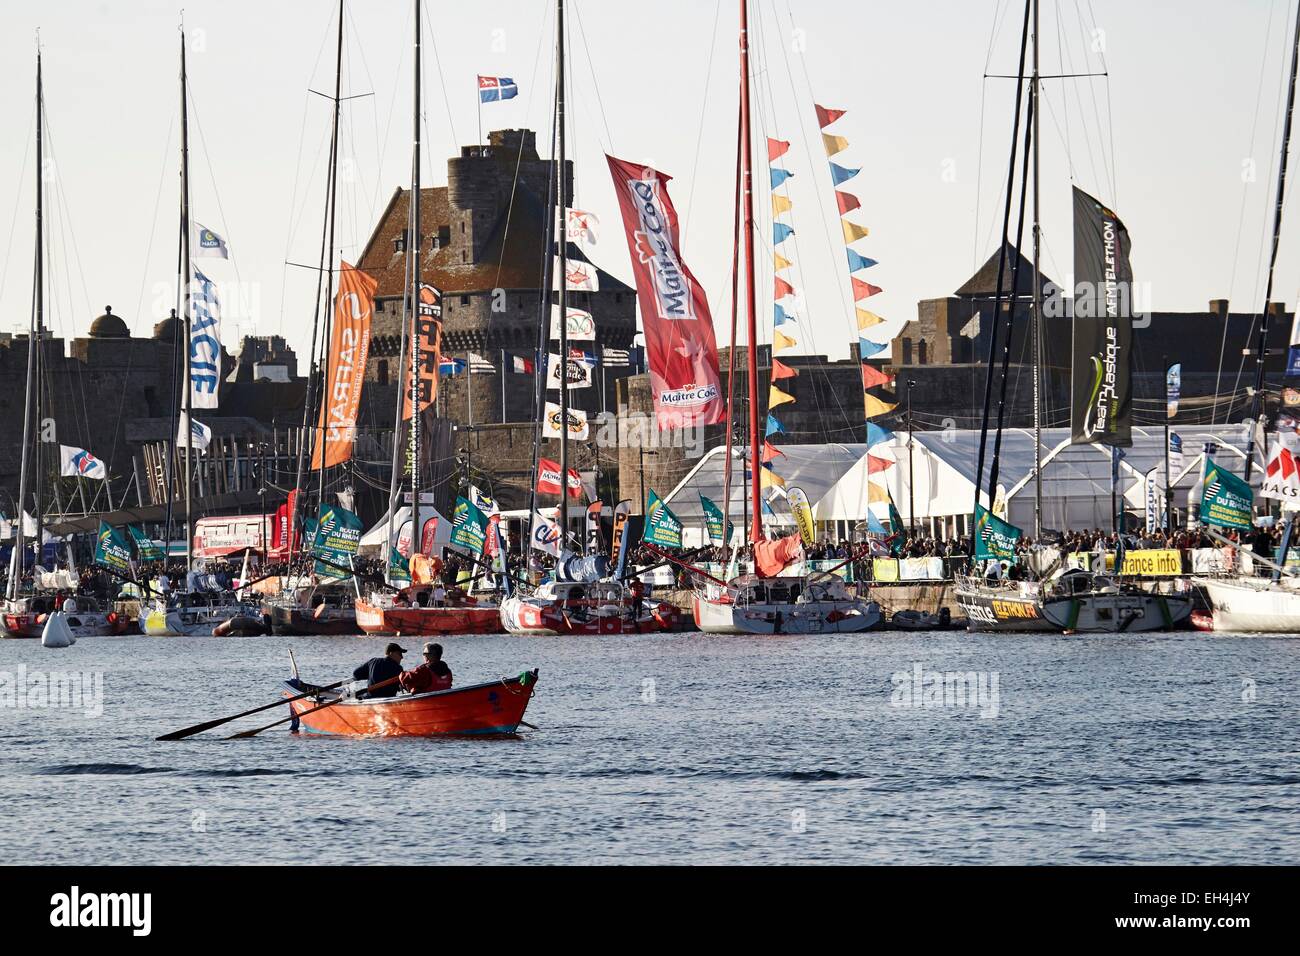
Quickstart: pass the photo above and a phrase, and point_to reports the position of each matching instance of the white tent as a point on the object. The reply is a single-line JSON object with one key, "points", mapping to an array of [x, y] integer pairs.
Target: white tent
{"points": [[372, 542]]}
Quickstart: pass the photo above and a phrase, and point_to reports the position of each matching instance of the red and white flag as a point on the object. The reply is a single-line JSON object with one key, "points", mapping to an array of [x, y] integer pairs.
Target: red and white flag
{"points": [[548, 477], [1282, 473], [680, 347], [580, 276], [582, 226], [523, 365]]}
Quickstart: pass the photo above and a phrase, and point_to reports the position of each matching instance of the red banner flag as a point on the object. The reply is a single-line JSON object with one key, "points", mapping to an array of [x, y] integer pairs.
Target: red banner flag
{"points": [[548, 476], [826, 116], [680, 347], [428, 324], [872, 376], [575, 484], [346, 367], [781, 288], [847, 202], [876, 464], [776, 148], [780, 370], [863, 290]]}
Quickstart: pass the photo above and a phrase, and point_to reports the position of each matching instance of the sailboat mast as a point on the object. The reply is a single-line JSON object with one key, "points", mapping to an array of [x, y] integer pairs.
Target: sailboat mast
{"points": [[751, 317], [414, 249], [38, 307], [33, 341], [183, 307], [1261, 350], [1037, 324], [562, 204]]}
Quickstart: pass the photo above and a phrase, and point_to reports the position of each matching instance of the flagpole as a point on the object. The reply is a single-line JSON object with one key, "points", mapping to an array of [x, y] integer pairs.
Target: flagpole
{"points": [[503, 386], [1169, 490], [562, 206], [183, 308], [751, 316], [414, 250]]}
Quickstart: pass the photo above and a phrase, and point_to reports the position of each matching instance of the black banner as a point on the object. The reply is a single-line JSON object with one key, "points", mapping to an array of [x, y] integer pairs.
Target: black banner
{"points": [[1101, 399]]}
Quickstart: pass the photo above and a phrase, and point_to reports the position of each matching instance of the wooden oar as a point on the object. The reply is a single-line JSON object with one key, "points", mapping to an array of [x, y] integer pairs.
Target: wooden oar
{"points": [[208, 725], [257, 730]]}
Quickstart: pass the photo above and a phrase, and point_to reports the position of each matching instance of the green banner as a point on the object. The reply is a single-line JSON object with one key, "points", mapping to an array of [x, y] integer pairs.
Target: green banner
{"points": [[112, 549], [896, 529], [714, 517], [994, 538], [469, 526], [661, 525], [336, 538], [398, 569], [145, 549], [1227, 500]]}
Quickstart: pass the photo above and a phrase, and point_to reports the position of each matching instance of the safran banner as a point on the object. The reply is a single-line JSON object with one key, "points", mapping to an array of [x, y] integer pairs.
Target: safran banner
{"points": [[803, 516], [1101, 400], [428, 343], [1227, 501], [994, 538], [680, 347], [346, 368], [111, 549]]}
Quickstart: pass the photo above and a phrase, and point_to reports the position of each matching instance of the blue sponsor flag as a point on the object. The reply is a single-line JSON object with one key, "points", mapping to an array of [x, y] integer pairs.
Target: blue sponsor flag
{"points": [[492, 89]]}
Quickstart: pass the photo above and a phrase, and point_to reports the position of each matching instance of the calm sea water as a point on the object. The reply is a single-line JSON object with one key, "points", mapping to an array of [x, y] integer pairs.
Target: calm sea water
{"points": [[681, 748]]}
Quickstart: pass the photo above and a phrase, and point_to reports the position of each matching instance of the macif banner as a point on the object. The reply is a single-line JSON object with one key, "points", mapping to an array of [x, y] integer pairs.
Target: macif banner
{"points": [[680, 346], [205, 341], [1101, 405], [349, 348]]}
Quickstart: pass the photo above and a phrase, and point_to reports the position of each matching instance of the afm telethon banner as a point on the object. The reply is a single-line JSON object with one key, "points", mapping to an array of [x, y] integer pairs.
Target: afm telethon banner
{"points": [[111, 549], [349, 348], [1101, 401], [1227, 501], [338, 534], [680, 347], [994, 538]]}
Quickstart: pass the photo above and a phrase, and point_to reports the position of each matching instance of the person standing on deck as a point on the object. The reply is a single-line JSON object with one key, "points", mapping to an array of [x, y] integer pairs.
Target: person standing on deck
{"points": [[379, 669]]}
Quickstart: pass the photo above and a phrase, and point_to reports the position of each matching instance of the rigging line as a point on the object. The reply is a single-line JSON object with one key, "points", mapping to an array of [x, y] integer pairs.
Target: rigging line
{"points": [[704, 103], [216, 193], [591, 68], [1065, 100], [1062, 136], [18, 196], [1096, 183], [433, 41], [1110, 116], [360, 50]]}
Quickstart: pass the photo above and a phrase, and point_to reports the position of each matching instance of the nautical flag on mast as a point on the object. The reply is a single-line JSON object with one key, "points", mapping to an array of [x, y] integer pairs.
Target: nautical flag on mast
{"points": [[581, 226], [201, 434], [478, 365], [79, 463], [207, 244], [492, 89], [522, 365]]}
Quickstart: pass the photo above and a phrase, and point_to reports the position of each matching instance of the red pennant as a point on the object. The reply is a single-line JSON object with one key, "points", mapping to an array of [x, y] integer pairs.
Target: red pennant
{"points": [[780, 370], [776, 149], [863, 290], [825, 117], [770, 452], [847, 201], [876, 465], [872, 376], [784, 288]]}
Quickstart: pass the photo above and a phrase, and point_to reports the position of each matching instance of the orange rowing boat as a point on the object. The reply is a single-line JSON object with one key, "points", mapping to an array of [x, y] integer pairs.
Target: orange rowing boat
{"points": [[494, 707]]}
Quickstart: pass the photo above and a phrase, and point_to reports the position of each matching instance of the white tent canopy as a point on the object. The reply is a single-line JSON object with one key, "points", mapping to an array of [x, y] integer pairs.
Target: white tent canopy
{"points": [[373, 540]]}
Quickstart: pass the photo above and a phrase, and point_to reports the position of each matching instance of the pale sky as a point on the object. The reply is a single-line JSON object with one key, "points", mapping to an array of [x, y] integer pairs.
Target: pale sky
{"points": [[1194, 97]]}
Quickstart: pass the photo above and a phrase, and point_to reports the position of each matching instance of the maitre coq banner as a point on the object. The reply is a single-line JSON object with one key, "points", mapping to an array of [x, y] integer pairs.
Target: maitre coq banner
{"points": [[680, 348], [349, 347]]}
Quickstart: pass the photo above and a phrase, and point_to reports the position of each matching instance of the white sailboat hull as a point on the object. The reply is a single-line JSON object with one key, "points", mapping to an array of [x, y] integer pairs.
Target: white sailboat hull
{"points": [[812, 617], [1123, 613], [1253, 605], [715, 617]]}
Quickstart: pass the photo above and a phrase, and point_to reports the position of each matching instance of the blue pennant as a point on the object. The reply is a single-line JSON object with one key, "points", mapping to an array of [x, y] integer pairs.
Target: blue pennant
{"points": [[780, 316], [774, 427], [779, 176], [873, 524], [876, 434], [857, 262], [868, 348], [780, 233], [841, 175]]}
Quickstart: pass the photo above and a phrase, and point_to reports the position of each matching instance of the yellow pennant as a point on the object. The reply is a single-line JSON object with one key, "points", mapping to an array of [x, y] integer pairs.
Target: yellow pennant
{"points": [[780, 262], [767, 478], [834, 144], [782, 342], [876, 407], [867, 319], [876, 493], [853, 232], [777, 397], [781, 204]]}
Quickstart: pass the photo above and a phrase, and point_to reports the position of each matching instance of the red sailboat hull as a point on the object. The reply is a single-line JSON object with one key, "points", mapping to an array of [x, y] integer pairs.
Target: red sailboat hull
{"points": [[424, 621], [495, 707]]}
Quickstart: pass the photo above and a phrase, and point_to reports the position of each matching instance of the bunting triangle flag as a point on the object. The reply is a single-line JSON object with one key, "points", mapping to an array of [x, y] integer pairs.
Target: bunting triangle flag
{"points": [[876, 494], [780, 175], [876, 464], [780, 316], [774, 427], [834, 144], [780, 370], [840, 174], [868, 348], [770, 452], [776, 148], [876, 434], [776, 397], [780, 262], [867, 319], [853, 232], [826, 116], [781, 204], [780, 233], [864, 290], [847, 202], [872, 376], [858, 262], [768, 479], [781, 288], [782, 342], [874, 525], [875, 407]]}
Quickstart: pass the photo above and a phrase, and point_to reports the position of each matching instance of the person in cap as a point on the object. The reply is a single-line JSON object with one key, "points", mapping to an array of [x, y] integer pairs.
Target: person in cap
{"points": [[433, 674], [379, 669]]}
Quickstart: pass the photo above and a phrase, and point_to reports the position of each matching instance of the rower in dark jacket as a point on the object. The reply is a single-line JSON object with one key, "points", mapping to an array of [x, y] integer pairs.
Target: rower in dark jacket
{"points": [[379, 669]]}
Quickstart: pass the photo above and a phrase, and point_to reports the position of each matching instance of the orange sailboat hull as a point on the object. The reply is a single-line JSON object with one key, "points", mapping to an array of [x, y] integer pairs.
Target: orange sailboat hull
{"points": [[421, 621], [495, 707]]}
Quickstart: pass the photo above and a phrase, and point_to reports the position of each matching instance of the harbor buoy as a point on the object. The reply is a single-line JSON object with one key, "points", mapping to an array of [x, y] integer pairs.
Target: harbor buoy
{"points": [[56, 632]]}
